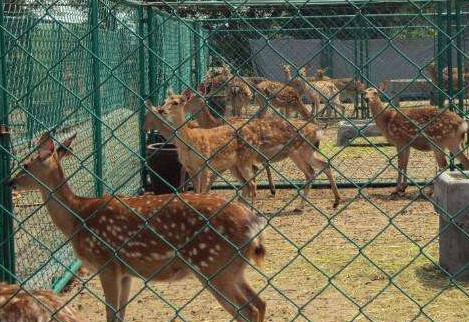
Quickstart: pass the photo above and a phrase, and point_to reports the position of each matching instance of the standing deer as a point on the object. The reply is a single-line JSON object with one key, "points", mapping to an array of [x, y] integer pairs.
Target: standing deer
{"points": [[276, 139], [19, 305], [302, 88], [424, 129], [201, 149], [163, 237], [205, 119], [281, 96]]}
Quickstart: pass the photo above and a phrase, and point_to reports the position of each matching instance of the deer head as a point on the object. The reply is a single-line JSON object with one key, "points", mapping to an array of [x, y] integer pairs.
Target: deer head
{"points": [[45, 167], [371, 95], [321, 72]]}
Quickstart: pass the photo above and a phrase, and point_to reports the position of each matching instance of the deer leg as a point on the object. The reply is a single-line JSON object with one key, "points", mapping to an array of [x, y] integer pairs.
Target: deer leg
{"points": [[253, 297], [248, 176], [247, 185], [232, 297], [322, 165], [269, 177], [301, 163], [440, 158], [110, 282], [459, 154], [402, 161], [126, 283]]}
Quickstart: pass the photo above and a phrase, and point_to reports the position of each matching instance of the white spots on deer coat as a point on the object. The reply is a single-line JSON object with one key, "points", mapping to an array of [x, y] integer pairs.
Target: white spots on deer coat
{"points": [[173, 225], [202, 245], [213, 251], [183, 227], [210, 258], [203, 264], [218, 247]]}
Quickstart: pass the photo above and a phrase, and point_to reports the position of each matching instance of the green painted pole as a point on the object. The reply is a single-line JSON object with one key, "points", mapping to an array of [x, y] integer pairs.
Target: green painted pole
{"points": [[460, 58], [7, 248], [151, 56], [97, 119], [449, 58], [440, 61], [142, 87], [180, 59], [198, 54]]}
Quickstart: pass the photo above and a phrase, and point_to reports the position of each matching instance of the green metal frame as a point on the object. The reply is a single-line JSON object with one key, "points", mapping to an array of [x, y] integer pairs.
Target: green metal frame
{"points": [[7, 247]]}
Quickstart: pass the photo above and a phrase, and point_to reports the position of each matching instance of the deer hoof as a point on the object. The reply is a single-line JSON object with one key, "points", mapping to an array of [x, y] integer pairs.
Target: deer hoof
{"points": [[297, 210], [336, 203]]}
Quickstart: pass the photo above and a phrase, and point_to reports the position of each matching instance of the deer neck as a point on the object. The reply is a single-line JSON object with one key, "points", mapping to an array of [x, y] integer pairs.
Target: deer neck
{"points": [[208, 120], [432, 71], [179, 120], [377, 109], [61, 203]]}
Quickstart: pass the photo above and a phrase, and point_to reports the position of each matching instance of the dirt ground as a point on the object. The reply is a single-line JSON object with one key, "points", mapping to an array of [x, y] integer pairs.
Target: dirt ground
{"points": [[323, 265], [372, 259]]}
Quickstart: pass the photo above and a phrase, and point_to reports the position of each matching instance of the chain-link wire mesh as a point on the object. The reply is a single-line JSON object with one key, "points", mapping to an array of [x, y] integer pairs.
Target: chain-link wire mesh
{"points": [[87, 67]]}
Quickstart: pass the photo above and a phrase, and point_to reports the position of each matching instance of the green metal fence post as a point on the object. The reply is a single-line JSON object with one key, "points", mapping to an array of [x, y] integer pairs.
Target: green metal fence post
{"points": [[151, 55], [97, 125], [440, 58], [7, 256], [459, 44], [198, 54], [142, 87]]}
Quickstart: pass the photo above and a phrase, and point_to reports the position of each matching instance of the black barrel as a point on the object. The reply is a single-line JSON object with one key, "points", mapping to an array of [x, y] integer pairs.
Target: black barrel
{"points": [[163, 160]]}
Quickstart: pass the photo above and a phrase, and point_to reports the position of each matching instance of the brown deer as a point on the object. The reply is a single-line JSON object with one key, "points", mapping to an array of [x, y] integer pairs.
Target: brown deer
{"points": [[281, 96], [162, 237], [20, 305], [431, 69], [205, 119], [277, 139], [424, 129], [302, 88], [200, 150]]}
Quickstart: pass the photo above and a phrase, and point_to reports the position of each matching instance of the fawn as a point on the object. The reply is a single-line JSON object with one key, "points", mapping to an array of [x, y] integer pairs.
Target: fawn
{"points": [[155, 237], [424, 129], [19, 305], [276, 139]]}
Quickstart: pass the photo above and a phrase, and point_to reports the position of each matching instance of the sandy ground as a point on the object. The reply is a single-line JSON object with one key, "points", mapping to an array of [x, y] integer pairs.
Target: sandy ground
{"points": [[323, 265], [372, 259]]}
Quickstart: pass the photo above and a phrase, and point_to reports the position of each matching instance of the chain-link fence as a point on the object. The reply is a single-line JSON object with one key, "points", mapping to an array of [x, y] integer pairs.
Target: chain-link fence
{"points": [[87, 67]]}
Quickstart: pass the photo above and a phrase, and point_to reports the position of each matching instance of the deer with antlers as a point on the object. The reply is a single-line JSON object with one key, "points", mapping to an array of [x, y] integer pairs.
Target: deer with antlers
{"points": [[157, 237], [275, 138], [21, 305], [424, 129]]}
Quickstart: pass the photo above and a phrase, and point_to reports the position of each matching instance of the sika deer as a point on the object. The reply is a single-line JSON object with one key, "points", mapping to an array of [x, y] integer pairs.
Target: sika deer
{"points": [[19, 305], [163, 237], [281, 96], [277, 139], [302, 88], [205, 119], [202, 149], [424, 129]]}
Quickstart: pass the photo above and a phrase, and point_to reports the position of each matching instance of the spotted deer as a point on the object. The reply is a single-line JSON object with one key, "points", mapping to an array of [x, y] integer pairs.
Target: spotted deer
{"points": [[302, 88], [328, 93], [205, 119], [20, 305], [237, 90], [200, 150], [276, 139], [424, 129], [431, 69], [284, 97], [156, 237]]}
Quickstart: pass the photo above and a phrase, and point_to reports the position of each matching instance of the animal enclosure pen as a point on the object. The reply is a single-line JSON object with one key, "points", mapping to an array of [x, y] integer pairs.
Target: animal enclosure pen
{"points": [[86, 67]]}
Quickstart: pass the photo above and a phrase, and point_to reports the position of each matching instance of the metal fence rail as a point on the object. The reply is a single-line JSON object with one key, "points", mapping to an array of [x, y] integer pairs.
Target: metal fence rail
{"points": [[87, 67]]}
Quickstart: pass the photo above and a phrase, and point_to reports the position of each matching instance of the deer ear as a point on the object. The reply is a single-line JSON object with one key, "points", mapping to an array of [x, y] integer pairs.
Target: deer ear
{"points": [[64, 149], [169, 92], [46, 146]]}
